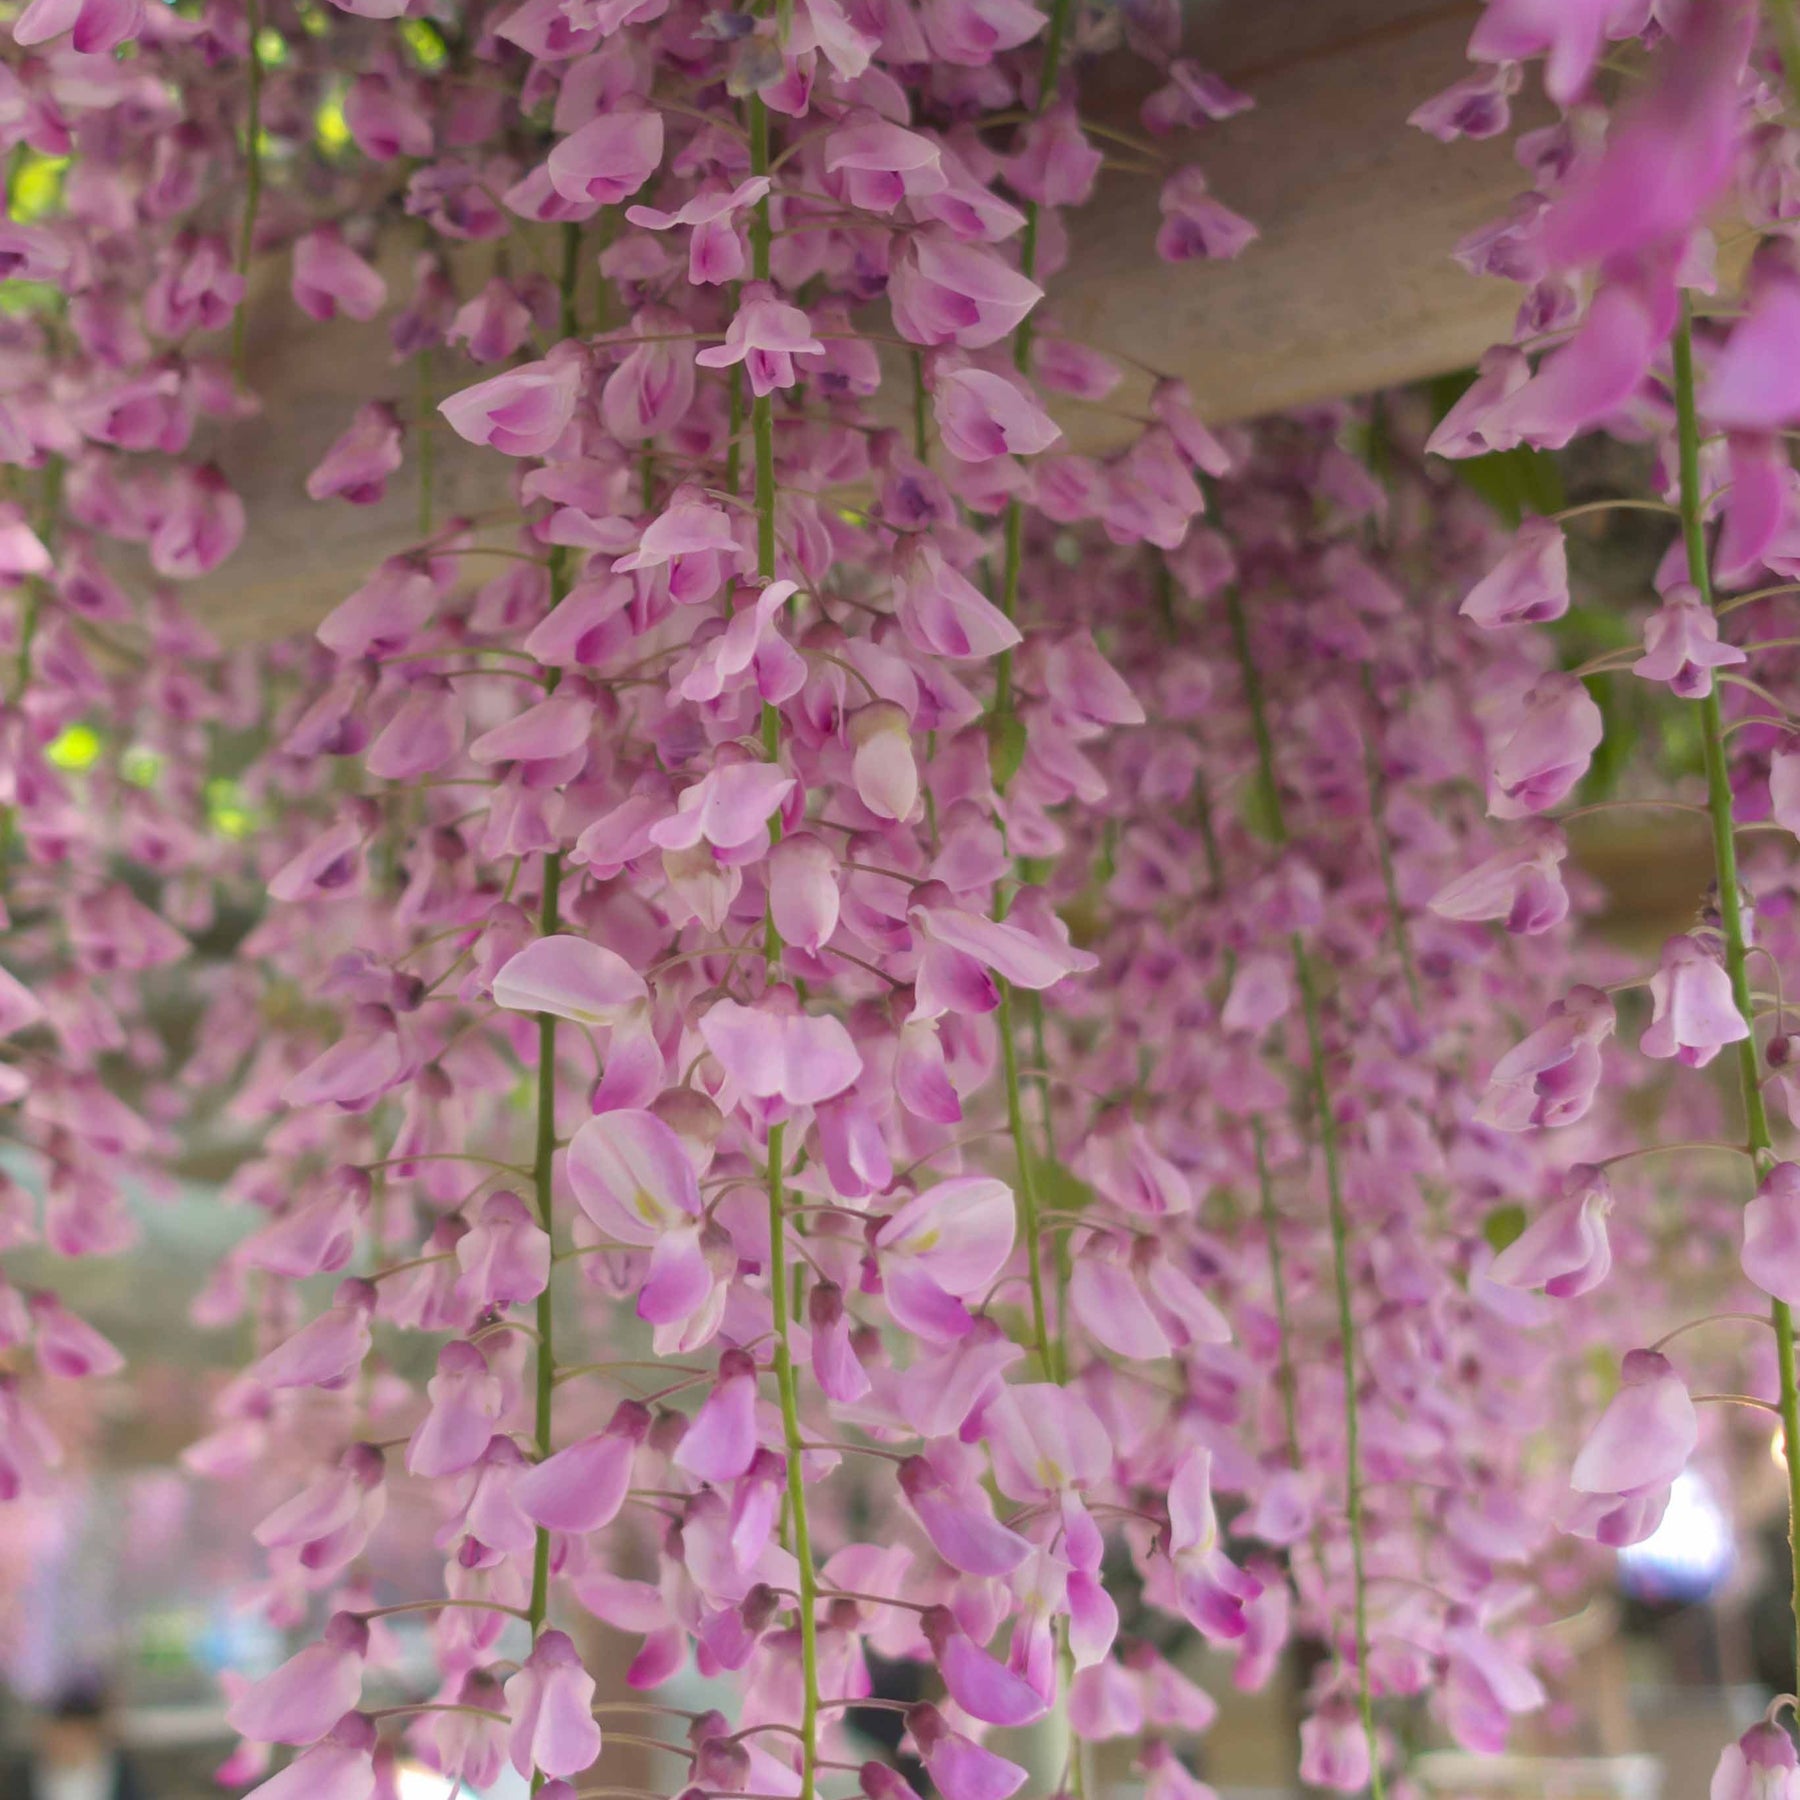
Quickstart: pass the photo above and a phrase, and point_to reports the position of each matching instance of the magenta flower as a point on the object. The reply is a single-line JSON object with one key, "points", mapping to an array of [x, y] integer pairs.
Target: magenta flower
{"points": [[945, 291], [981, 414], [1522, 886], [95, 26], [765, 335], [1681, 647], [1334, 1750], [1551, 743], [960, 1769], [67, 1346], [549, 1698], [881, 164], [521, 413], [329, 278], [609, 158], [1212, 1589], [504, 1256], [1529, 584], [357, 466]]}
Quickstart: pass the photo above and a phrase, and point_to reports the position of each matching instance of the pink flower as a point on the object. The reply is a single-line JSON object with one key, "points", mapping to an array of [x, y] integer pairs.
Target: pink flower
{"points": [[1212, 1589], [466, 1403], [1644, 1438], [1564, 1250], [765, 335], [945, 291], [571, 978], [342, 1767], [730, 808], [958, 1518], [358, 464], [67, 1346], [751, 647], [803, 890], [582, 1488], [1552, 741], [1694, 1012], [1196, 225], [1334, 1748], [649, 393], [715, 244], [775, 1051], [1668, 155], [200, 523], [1752, 384], [1771, 1254], [942, 1247], [329, 278], [1521, 885], [328, 1524], [1529, 584], [520, 413], [984, 1688], [96, 26], [981, 415], [960, 1769], [720, 1442], [1761, 1765], [504, 1256], [329, 1351], [1569, 34], [550, 1698], [608, 159], [882, 164], [303, 1699], [1681, 647], [1549, 1078], [942, 611]]}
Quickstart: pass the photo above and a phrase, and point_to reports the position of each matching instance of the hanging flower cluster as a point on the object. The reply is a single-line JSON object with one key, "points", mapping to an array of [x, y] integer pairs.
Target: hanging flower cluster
{"points": [[1626, 327], [868, 1034], [109, 843]]}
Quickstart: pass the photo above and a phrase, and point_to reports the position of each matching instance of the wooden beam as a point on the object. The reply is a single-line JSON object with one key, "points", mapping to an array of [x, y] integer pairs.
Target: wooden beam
{"points": [[1350, 287]]}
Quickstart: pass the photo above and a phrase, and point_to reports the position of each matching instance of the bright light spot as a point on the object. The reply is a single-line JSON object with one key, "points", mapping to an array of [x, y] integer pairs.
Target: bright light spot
{"points": [[271, 48], [1688, 1554], [426, 43], [74, 748], [1778, 1450], [226, 811], [331, 130], [413, 1781], [36, 186]]}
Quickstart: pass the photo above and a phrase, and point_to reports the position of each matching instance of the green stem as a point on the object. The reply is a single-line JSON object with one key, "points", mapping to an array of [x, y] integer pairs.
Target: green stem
{"points": [[1320, 1083], [762, 421], [796, 1475], [1731, 902], [253, 174], [920, 413], [1028, 1204], [1787, 42]]}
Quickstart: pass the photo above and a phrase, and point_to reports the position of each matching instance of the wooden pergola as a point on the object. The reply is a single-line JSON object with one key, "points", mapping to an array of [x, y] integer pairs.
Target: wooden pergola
{"points": [[1350, 286]]}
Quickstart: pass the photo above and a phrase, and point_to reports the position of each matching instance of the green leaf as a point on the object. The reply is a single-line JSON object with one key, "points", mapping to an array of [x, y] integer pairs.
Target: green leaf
{"points": [[1504, 1225]]}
